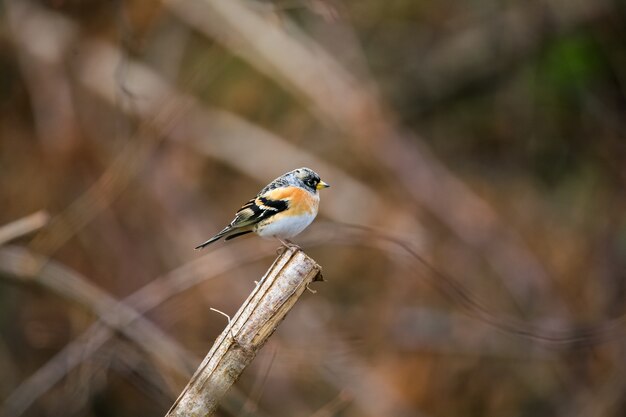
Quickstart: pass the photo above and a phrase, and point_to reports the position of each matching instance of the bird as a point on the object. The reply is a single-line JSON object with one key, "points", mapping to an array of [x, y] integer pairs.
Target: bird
{"points": [[281, 210]]}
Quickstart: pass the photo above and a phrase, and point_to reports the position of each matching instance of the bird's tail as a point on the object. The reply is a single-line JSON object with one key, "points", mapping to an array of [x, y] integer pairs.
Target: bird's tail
{"points": [[228, 232], [218, 236]]}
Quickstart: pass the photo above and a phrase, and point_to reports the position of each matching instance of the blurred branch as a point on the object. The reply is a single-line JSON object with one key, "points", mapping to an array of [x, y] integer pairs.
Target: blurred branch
{"points": [[23, 226], [299, 63], [334, 406], [47, 46], [191, 274], [223, 135], [294, 59], [41, 45], [257, 319], [23, 265], [132, 324], [170, 114], [493, 44]]}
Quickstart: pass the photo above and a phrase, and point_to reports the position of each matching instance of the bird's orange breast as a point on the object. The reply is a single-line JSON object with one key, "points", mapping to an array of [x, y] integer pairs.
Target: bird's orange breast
{"points": [[300, 201]]}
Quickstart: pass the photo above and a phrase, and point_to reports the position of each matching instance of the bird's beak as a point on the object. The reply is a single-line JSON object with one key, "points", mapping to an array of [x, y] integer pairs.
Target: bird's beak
{"points": [[321, 185]]}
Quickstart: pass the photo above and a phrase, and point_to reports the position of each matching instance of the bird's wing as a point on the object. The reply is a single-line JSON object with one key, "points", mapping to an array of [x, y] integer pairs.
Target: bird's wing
{"points": [[258, 209], [263, 206]]}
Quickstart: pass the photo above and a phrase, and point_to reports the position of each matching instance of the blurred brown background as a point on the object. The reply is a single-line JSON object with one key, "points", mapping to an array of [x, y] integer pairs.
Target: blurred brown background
{"points": [[487, 136]]}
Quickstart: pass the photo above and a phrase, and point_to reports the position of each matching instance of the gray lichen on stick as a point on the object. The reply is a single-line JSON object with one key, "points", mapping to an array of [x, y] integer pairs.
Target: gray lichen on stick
{"points": [[256, 320]]}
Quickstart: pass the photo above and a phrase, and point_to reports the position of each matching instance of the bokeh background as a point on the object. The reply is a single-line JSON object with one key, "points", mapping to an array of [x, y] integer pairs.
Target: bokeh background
{"points": [[485, 137]]}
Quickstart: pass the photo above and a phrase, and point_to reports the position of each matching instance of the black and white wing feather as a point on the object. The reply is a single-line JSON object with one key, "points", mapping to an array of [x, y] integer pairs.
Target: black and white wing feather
{"points": [[251, 213]]}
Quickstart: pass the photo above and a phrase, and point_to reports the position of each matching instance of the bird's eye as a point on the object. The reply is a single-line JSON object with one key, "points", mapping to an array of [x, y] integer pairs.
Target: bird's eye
{"points": [[310, 183]]}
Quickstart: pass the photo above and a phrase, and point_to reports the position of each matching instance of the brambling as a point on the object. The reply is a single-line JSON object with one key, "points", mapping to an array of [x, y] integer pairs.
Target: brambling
{"points": [[283, 209]]}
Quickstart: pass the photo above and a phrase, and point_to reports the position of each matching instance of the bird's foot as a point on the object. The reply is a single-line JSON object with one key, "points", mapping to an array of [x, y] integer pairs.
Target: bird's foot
{"points": [[286, 244]]}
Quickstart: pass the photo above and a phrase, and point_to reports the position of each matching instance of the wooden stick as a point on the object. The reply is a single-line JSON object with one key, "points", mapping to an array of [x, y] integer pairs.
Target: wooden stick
{"points": [[247, 332]]}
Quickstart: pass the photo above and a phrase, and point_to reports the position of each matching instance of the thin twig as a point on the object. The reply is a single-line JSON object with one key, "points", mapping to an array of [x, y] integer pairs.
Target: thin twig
{"points": [[227, 318]]}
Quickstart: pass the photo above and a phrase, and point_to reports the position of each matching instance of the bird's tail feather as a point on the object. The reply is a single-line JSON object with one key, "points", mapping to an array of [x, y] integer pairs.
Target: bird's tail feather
{"points": [[234, 235], [218, 236]]}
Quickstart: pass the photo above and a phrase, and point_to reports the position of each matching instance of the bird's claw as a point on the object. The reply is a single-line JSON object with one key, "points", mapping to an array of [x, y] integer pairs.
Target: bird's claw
{"points": [[287, 245]]}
